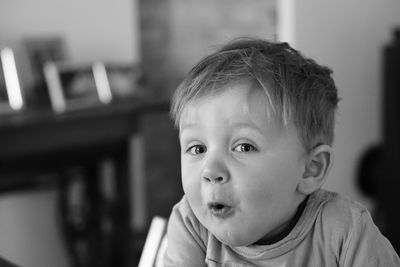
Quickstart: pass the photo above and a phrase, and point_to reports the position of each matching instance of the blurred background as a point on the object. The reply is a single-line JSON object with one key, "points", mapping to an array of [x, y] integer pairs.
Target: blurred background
{"points": [[163, 39]]}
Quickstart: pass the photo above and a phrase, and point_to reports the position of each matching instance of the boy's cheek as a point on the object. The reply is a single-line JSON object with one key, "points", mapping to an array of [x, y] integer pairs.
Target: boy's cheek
{"points": [[187, 175], [190, 177], [192, 190]]}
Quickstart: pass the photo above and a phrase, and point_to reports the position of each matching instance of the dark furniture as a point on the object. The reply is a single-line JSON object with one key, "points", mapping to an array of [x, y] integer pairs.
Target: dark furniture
{"points": [[389, 183], [37, 142]]}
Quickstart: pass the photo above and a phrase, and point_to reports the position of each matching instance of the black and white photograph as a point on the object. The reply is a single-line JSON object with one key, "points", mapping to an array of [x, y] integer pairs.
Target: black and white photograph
{"points": [[72, 86], [158, 133], [41, 50], [124, 79]]}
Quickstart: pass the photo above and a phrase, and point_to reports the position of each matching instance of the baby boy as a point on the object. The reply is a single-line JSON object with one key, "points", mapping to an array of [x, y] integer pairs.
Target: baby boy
{"points": [[256, 124]]}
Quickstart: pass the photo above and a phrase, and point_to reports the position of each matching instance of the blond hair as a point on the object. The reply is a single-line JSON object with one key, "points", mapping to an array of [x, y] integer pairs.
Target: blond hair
{"points": [[297, 88]]}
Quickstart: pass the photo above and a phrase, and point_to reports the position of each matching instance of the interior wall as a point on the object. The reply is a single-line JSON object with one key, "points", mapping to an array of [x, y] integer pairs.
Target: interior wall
{"points": [[348, 36], [92, 30]]}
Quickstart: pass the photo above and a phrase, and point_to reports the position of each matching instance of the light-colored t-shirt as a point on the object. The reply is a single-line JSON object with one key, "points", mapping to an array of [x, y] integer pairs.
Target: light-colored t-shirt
{"points": [[332, 231]]}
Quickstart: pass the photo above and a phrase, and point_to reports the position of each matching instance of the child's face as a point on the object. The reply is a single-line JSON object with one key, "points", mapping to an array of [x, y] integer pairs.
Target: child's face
{"points": [[239, 170]]}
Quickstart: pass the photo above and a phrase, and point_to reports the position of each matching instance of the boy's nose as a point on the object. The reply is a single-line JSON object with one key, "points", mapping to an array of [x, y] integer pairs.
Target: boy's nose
{"points": [[215, 179], [215, 171]]}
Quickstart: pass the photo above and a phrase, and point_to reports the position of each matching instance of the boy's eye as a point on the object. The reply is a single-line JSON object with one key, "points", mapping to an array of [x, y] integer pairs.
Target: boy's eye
{"points": [[244, 148], [197, 149]]}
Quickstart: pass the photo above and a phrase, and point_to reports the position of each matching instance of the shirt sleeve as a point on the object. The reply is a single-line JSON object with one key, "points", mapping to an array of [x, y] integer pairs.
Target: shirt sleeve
{"points": [[185, 244], [366, 246]]}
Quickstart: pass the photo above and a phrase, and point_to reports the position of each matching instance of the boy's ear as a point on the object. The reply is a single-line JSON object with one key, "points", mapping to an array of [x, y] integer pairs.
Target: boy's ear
{"points": [[316, 169]]}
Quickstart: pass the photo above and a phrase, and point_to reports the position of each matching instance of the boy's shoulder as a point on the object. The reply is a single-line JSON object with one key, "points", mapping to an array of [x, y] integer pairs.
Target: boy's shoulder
{"points": [[183, 222], [338, 212], [183, 208], [339, 207], [339, 219], [349, 229], [186, 217]]}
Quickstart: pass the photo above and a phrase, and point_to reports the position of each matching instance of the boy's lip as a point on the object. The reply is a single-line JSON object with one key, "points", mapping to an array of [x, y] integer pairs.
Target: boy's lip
{"points": [[220, 209]]}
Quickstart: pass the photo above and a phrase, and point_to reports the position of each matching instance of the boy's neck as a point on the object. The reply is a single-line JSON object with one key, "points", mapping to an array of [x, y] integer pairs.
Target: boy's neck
{"points": [[288, 228]]}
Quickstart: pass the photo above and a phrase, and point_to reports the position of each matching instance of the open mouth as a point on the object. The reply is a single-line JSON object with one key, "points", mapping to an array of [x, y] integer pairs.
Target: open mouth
{"points": [[220, 210]]}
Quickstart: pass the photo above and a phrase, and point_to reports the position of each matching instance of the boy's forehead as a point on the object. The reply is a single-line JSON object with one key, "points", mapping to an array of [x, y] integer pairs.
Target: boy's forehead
{"points": [[240, 103]]}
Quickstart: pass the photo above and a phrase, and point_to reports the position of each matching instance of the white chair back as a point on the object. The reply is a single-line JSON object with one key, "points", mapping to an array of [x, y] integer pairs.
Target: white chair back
{"points": [[155, 244]]}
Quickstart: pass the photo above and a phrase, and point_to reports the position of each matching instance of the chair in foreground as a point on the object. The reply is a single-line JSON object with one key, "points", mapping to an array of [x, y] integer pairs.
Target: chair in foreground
{"points": [[155, 244]]}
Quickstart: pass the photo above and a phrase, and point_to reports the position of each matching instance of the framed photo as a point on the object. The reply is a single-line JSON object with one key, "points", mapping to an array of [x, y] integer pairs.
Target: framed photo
{"points": [[123, 79], [11, 98], [73, 86], [42, 50]]}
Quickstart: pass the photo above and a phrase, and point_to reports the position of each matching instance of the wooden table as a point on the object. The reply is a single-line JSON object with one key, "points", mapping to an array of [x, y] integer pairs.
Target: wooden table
{"points": [[37, 142]]}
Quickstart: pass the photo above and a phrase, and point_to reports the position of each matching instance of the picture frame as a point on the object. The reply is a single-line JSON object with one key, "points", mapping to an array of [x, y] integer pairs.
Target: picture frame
{"points": [[76, 86], [11, 98], [123, 79], [41, 50]]}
